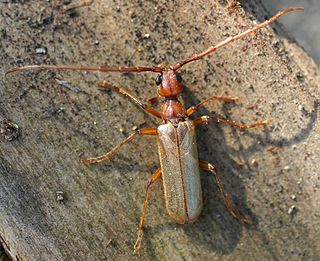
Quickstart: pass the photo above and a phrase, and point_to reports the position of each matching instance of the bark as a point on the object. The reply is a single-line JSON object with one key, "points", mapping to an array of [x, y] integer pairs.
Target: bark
{"points": [[55, 208]]}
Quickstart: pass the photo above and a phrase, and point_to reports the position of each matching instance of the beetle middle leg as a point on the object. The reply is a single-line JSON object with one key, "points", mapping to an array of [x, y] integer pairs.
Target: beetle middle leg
{"points": [[204, 119], [154, 177], [146, 131], [227, 201]]}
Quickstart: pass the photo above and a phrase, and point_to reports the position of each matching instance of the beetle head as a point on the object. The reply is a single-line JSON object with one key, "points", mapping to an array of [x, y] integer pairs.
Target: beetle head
{"points": [[169, 83]]}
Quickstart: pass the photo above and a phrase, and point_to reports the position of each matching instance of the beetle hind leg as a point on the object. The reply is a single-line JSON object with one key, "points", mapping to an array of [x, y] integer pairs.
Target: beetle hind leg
{"points": [[226, 199], [154, 177]]}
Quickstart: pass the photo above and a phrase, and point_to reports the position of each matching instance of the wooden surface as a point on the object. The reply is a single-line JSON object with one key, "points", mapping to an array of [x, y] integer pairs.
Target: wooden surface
{"points": [[266, 171]]}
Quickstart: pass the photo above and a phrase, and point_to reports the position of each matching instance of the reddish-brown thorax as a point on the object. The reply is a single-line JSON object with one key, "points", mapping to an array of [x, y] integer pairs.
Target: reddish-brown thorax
{"points": [[172, 109], [169, 88]]}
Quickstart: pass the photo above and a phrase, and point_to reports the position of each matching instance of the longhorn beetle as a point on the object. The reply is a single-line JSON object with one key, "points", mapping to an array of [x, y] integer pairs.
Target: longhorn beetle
{"points": [[176, 135]]}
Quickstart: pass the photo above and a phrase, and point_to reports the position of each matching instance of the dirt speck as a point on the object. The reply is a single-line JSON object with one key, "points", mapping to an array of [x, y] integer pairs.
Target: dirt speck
{"points": [[9, 130]]}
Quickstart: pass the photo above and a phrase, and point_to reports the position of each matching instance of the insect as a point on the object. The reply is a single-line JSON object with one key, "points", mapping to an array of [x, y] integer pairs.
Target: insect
{"points": [[176, 136]]}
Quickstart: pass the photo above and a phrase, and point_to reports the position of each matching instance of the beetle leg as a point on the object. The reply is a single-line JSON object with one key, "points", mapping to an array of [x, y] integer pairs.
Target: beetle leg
{"points": [[227, 201], [153, 100], [151, 180], [194, 108], [146, 131], [204, 119], [143, 106]]}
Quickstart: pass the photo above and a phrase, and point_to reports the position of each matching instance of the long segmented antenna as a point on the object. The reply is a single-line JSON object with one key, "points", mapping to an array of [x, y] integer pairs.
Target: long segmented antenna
{"points": [[84, 68], [233, 38], [157, 69]]}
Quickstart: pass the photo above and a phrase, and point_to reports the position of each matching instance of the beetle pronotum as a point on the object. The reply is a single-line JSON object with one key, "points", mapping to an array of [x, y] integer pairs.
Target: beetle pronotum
{"points": [[175, 135]]}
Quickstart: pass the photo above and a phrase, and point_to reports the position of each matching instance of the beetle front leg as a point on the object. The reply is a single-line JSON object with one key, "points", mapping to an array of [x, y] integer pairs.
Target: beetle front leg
{"points": [[154, 177], [143, 106], [227, 201], [194, 108], [204, 119], [146, 131]]}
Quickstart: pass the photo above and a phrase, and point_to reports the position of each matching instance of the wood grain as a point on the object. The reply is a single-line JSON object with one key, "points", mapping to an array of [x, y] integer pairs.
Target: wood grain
{"points": [[55, 208]]}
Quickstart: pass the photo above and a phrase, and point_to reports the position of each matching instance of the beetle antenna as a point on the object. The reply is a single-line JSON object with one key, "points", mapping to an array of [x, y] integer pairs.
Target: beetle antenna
{"points": [[233, 38], [84, 68]]}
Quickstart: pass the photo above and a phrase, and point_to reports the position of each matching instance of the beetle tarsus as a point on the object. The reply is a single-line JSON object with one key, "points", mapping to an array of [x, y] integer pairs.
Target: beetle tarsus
{"points": [[137, 245]]}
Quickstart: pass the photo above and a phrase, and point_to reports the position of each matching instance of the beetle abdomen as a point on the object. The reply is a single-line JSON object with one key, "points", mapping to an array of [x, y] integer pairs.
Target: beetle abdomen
{"points": [[180, 170]]}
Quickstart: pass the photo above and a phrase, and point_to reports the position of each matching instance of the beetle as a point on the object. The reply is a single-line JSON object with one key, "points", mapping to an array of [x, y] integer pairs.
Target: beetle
{"points": [[176, 136]]}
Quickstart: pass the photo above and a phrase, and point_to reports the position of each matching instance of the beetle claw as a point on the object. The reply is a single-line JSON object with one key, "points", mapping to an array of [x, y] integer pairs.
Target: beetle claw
{"points": [[138, 243]]}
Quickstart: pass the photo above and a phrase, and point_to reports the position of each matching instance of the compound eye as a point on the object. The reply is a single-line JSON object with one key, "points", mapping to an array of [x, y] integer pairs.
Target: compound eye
{"points": [[178, 77], [159, 79]]}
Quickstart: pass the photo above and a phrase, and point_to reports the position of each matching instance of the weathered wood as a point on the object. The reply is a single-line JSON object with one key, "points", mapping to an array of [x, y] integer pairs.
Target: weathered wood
{"points": [[265, 171]]}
